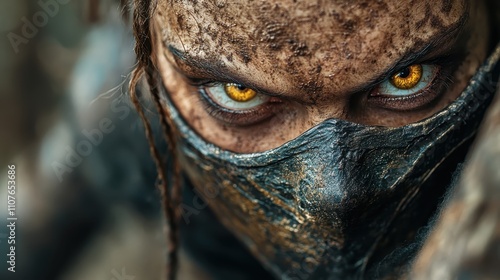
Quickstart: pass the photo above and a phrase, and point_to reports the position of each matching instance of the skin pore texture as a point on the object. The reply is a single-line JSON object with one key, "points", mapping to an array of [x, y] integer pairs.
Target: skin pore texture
{"points": [[313, 60]]}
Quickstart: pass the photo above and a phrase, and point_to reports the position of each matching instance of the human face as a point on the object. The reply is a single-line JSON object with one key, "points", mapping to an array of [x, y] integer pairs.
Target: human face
{"points": [[293, 64]]}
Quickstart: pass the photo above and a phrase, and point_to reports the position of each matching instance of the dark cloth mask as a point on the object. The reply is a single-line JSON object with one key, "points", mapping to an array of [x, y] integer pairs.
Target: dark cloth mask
{"points": [[337, 201]]}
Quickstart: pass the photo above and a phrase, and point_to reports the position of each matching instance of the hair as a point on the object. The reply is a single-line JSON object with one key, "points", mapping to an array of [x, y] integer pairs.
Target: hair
{"points": [[170, 188]]}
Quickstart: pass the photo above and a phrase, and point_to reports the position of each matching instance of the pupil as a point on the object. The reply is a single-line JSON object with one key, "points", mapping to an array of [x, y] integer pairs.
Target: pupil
{"points": [[240, 87], [405, 73]]}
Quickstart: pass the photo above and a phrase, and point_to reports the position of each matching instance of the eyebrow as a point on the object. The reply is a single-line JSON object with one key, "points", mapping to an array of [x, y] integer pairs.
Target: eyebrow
{"points": [[219, 71], [417, 53]]}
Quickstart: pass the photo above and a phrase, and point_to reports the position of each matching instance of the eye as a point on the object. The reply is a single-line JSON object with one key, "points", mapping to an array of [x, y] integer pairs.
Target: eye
{"points": [[410, 88], [408, 81], [235, 104], [235, 96]]}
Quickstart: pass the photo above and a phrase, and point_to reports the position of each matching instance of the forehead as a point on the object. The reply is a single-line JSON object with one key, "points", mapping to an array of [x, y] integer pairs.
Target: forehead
{"points": [[303, 45]]}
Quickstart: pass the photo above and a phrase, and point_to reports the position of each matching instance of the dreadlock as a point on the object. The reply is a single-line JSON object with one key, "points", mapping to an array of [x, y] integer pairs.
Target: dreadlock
{"points": [[144, 35]]}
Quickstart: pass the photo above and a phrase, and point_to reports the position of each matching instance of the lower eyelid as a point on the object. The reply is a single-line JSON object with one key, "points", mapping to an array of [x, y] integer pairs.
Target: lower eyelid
{"points": [[238, 118], [407, 103]]}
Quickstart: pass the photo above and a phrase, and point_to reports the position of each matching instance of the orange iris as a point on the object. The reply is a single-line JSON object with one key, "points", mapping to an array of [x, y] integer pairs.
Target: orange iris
{"points": [[408, 77], [239, 93]]}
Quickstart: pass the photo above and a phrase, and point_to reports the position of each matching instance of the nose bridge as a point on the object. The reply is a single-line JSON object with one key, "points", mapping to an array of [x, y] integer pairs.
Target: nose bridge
{"points": [[328, 172], [336, 178]]}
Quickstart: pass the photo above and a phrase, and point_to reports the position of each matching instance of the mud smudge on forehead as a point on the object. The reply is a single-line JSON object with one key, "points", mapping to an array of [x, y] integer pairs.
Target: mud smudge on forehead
{"points": [[278, 29], [434, 20]]}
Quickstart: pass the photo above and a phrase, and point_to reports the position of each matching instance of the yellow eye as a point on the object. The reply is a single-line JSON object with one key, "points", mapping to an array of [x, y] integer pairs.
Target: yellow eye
{"points": [[235, 96], [408, 77], [239, 93]]}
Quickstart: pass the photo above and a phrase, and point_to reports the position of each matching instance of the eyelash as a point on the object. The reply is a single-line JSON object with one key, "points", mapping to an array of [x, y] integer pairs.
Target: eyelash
{"points": [[440, 82], [233, 117]]}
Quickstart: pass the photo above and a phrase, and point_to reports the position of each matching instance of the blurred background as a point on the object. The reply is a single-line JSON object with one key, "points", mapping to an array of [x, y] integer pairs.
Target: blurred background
{"points": [[85, 200], [86, 205]]}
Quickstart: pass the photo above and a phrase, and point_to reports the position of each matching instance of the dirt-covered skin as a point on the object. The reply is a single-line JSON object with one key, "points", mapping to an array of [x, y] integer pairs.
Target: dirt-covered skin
{"points": [[320, 59]]}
